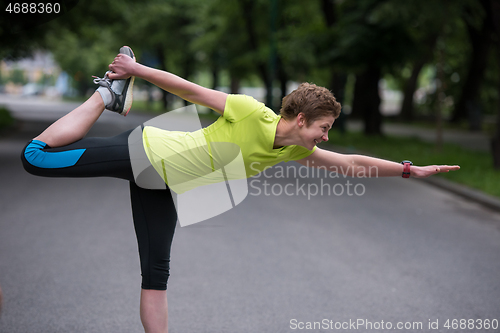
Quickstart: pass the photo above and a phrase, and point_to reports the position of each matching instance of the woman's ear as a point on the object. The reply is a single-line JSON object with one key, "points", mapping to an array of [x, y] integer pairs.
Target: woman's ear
{"points": [[301, 119]]}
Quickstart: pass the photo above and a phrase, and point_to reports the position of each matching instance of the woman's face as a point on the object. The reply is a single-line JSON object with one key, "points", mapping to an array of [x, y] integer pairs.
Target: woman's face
{"points": [[316, 132]]}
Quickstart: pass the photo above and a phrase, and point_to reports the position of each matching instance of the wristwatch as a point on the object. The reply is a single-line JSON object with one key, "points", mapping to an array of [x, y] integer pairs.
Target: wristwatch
{"points": [[406, 170]]}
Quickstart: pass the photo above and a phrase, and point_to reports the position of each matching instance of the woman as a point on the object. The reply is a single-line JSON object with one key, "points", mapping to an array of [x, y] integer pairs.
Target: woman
{"points": [[262, 137]]}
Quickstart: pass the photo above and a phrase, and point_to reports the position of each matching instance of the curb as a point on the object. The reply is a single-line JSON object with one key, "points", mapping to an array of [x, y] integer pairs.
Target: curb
{"points": [[477, 196]]}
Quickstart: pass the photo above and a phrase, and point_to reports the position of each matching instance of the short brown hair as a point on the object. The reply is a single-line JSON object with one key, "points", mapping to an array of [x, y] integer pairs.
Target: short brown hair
{"points": [[314, 101]]}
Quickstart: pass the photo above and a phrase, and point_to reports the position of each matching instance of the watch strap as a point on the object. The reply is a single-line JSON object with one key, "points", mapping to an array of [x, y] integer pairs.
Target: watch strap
{"points": [[406, 169]]}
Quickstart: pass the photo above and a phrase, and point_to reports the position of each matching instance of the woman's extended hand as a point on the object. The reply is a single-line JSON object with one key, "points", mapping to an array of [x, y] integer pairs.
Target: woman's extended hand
{"points": [[122, 67], [426, 171]]}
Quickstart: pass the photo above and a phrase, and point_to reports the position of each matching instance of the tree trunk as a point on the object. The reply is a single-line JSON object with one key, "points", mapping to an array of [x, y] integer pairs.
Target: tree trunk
{"points": [[337, 86], [149, 100], [234, 85], [273, 56], [215, 70], [215, 73], [407, 107], [337, 80], [495, 142], [247, 10], [480, 41], [283, 78], [366, 101], [187, 65], [160, 52], [440, 99], [329, 12]]}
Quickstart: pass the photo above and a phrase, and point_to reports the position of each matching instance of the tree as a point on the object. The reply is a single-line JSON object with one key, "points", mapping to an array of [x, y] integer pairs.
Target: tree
{"points": [[165, 38], [86, 39], [425, 20], [338, 78], [82, 55], [480, 29], [21, 34], [303, 40], [223, 41], [437, 23], [371, 38], [241, 37], [495, 142]]}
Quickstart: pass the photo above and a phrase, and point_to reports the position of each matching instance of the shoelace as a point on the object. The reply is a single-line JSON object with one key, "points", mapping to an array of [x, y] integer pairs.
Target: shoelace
{"points": [[105, 81]]}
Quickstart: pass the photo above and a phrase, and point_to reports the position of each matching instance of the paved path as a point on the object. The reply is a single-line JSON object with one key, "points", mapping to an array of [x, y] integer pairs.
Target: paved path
{"points": [[471, 140], [401, 252]]}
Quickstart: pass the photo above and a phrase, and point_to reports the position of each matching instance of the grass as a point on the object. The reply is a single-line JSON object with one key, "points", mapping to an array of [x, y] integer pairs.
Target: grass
{"points": [[155, 107], [476, 168], [488, 126], [6, 119]]}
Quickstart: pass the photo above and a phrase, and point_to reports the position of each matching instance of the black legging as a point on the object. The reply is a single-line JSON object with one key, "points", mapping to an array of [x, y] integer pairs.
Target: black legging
{"points": [[153, 211]]}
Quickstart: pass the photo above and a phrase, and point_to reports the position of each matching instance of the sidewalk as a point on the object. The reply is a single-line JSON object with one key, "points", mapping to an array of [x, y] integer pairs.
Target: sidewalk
{"points": [[477, 141], [470, 140]]}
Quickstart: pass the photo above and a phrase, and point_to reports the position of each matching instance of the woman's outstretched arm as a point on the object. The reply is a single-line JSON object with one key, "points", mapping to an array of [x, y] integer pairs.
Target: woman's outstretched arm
{"points": [[123, 67], [365, 166]]}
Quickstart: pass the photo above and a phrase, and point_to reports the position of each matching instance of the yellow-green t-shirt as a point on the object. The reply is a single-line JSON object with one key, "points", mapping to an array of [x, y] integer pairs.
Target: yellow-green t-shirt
{"points": [[238, 145]]}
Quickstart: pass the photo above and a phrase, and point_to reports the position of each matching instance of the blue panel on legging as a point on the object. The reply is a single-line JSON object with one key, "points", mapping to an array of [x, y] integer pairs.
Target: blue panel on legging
{"points": [[48, 160]]}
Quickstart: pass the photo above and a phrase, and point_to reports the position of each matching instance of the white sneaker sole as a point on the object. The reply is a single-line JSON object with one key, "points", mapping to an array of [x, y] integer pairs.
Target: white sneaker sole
{"points": [[130, 95]]}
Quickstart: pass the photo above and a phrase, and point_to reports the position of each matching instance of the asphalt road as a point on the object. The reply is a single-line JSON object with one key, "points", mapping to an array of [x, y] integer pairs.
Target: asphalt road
{"points": [[398, 251]]}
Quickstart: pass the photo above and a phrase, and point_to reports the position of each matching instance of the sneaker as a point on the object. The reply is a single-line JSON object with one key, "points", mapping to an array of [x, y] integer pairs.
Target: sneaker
{"points": [[121, 90]]}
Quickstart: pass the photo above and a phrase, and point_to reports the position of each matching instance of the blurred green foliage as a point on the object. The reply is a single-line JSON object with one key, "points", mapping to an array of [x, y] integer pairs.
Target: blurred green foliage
{"points": [[335, 43], [17, 76]]}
